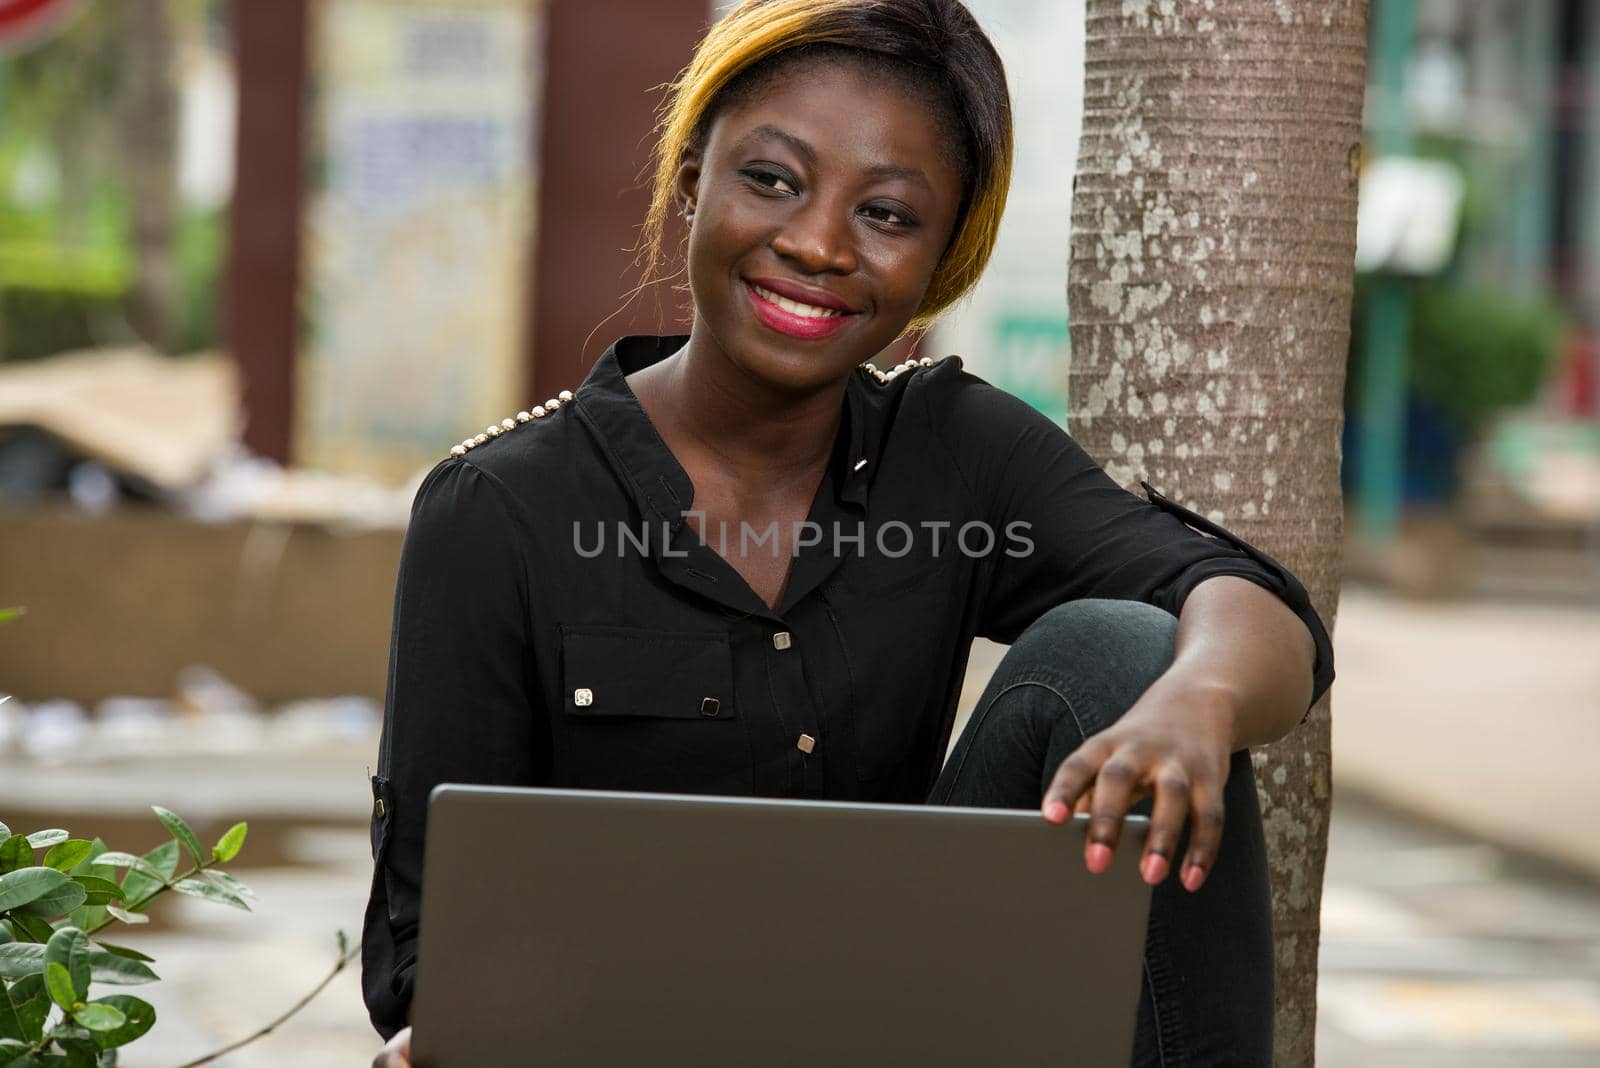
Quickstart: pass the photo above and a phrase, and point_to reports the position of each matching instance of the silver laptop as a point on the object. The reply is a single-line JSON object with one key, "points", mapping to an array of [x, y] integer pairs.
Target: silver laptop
{"points": [[584, 928]]}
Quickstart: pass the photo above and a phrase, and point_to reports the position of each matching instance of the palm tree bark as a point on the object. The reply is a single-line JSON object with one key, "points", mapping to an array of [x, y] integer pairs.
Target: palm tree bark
{"points": [[1210, 285]]}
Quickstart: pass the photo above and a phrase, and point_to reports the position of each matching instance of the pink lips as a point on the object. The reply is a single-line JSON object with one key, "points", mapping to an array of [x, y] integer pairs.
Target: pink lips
{"points": [[806, 328]]}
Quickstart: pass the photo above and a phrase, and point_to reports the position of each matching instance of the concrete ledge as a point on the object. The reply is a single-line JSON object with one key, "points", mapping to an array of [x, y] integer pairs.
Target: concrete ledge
{"points": [[118, 604]]}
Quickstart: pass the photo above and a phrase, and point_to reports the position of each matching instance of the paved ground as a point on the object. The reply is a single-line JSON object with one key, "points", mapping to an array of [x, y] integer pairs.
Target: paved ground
{"points": [[1441, 947], [1485, 715]]}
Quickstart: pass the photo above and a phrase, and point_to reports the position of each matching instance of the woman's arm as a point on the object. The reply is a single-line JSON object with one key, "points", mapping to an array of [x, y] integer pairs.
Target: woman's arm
{"points": [[463, 703], [1241, 676]]}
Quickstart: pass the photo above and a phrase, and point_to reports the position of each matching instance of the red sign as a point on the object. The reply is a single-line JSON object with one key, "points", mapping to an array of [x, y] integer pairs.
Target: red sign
{"points": [[27, 22]]}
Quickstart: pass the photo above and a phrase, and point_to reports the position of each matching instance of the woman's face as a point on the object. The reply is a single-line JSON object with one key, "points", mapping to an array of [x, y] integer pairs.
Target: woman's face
{"points": [[821, 208]]}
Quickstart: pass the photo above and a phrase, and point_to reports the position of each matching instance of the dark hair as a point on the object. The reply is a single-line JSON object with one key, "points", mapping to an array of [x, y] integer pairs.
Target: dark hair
{"points": [[932, 46]]}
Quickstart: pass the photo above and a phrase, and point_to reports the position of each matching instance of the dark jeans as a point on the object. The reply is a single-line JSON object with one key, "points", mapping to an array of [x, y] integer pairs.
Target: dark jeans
{"points": [[1208, 965]]}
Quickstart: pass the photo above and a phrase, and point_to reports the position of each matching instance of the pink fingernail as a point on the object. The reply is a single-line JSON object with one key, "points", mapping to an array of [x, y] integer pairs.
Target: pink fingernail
{"points": [[1154, 868], [1098, 857], [1055, 812], [1192, 877]]}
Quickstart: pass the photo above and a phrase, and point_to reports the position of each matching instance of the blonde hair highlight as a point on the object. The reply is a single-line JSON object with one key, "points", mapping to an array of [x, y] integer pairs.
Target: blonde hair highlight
{"points": [[754, 31]]}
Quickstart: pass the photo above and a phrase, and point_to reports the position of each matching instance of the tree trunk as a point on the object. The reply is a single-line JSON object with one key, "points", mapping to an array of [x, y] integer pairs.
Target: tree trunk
{"points": [[1210, 284], [149, 154]]}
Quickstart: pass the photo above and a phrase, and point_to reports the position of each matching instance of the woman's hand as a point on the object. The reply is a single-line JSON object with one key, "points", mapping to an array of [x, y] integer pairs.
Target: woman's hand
{"points": [[1175, 744], [397, 1054]]}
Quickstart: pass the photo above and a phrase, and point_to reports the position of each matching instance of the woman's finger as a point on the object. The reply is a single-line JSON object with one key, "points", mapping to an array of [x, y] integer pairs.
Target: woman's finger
{"points": [[1167, 817], [1113, 793], [1206, 836], [1072, 778], [396, 1053]]}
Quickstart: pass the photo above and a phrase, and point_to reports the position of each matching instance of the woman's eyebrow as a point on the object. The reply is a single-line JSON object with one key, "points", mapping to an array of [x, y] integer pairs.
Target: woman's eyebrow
{"points": [[769, 132]]}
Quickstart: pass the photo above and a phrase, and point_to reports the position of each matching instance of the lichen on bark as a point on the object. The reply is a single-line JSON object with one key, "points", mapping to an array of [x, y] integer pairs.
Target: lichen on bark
{"points": [[1209, 289]]}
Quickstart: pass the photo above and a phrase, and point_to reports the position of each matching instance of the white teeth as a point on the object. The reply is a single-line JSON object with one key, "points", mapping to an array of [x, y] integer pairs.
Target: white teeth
{"points": [[809, 311]]}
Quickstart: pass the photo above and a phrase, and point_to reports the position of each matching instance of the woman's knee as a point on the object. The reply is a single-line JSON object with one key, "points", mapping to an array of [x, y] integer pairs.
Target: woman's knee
{"points": [[1125, 640]]}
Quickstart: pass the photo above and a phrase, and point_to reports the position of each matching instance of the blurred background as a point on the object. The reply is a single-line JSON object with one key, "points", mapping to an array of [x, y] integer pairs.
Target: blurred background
{"points": [[263, 261]]}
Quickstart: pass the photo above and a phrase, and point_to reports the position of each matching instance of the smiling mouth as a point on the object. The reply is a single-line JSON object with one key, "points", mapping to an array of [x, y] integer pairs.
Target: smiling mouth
{"points": [[794, 318], [795, 307]]}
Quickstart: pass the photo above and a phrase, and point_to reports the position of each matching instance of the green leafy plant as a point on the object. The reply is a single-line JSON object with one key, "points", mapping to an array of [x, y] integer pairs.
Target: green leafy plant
{"points": [[51, 910], [51, 906]]}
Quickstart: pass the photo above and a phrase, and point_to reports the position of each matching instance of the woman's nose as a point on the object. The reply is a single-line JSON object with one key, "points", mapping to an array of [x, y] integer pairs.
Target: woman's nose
{"points": [[817, 240]]}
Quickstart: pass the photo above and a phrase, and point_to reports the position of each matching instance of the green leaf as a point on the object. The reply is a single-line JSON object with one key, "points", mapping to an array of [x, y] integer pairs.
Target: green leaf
{"points": [[46, 839], [98, 1016], [28, 884], [210, 892], [88, 864], [164, 858], [31, 1005], [78, 1042], [11, 1050], [19, 959], [108, 964], [32, 928], [59, 983], [230, 843], [228, 882], [141, 887], [14, 1022], [15, 853], [5, 832], [5, 932], [69, 947], [127, 860], [99, 890], [58, 902], [64, 856], [139, 1016], [127, 917], [180, 831], [8, 614], [86, 917], [124, 951]]}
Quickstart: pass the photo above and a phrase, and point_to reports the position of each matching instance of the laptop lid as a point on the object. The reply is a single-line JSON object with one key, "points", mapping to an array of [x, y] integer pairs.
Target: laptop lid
{"points": [[588, 928]]}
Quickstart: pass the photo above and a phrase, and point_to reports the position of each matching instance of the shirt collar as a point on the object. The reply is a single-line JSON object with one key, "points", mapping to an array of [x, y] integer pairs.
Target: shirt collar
{"points": [[636, 450]]}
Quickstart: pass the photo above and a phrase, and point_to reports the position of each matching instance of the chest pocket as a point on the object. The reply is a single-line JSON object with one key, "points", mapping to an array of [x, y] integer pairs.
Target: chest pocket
{"points": [[650, 710]]}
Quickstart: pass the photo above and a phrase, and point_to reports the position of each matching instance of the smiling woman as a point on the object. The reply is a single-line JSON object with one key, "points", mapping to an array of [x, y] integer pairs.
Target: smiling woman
{"points": [[825, 540]]}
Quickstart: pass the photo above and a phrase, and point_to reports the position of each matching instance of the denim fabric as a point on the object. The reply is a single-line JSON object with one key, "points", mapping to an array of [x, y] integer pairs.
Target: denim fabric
{"points": [[1207, 996]]}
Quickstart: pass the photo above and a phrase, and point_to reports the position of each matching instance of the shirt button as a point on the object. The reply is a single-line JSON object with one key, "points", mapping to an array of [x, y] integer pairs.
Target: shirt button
{"points": [[805, 743], [782, 640]]}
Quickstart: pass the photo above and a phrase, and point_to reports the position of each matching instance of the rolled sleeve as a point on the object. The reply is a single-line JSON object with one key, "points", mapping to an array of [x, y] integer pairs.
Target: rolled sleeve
{"points": [[1085, 535], [1255, 566], [461, 703]]}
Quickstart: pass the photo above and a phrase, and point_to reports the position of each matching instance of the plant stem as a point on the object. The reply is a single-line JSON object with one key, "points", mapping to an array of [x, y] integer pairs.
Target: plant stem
{"points": [[338, 967], [135, 906]]}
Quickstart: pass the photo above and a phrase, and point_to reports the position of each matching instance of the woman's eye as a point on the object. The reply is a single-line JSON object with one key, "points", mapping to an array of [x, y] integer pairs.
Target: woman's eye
{"points": [[881, 213], [776, 182]]}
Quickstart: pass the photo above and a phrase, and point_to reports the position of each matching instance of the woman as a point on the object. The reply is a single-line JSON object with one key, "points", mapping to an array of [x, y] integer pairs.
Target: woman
{"points": [[744, 562]]}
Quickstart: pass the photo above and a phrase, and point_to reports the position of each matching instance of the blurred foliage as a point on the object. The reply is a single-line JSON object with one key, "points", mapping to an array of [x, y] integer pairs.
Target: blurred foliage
{"points": [[66, 255], [1477, 353], [1471, 352]]}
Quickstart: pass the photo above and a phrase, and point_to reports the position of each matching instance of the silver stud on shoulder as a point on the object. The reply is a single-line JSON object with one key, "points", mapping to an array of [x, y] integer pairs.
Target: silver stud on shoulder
{"points": [[898, 369], [528, 415]]}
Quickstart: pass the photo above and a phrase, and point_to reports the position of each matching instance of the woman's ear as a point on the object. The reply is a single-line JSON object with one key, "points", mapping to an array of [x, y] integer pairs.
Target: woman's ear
{"points": [[687, 184]]}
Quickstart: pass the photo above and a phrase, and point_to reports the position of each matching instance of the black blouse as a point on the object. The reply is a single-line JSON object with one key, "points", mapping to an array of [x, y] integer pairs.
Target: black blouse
{"points": [[558, 621]]}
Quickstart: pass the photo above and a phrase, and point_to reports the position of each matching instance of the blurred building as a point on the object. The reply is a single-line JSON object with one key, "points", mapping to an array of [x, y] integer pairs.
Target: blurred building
{"points": [[1511, 89]]}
